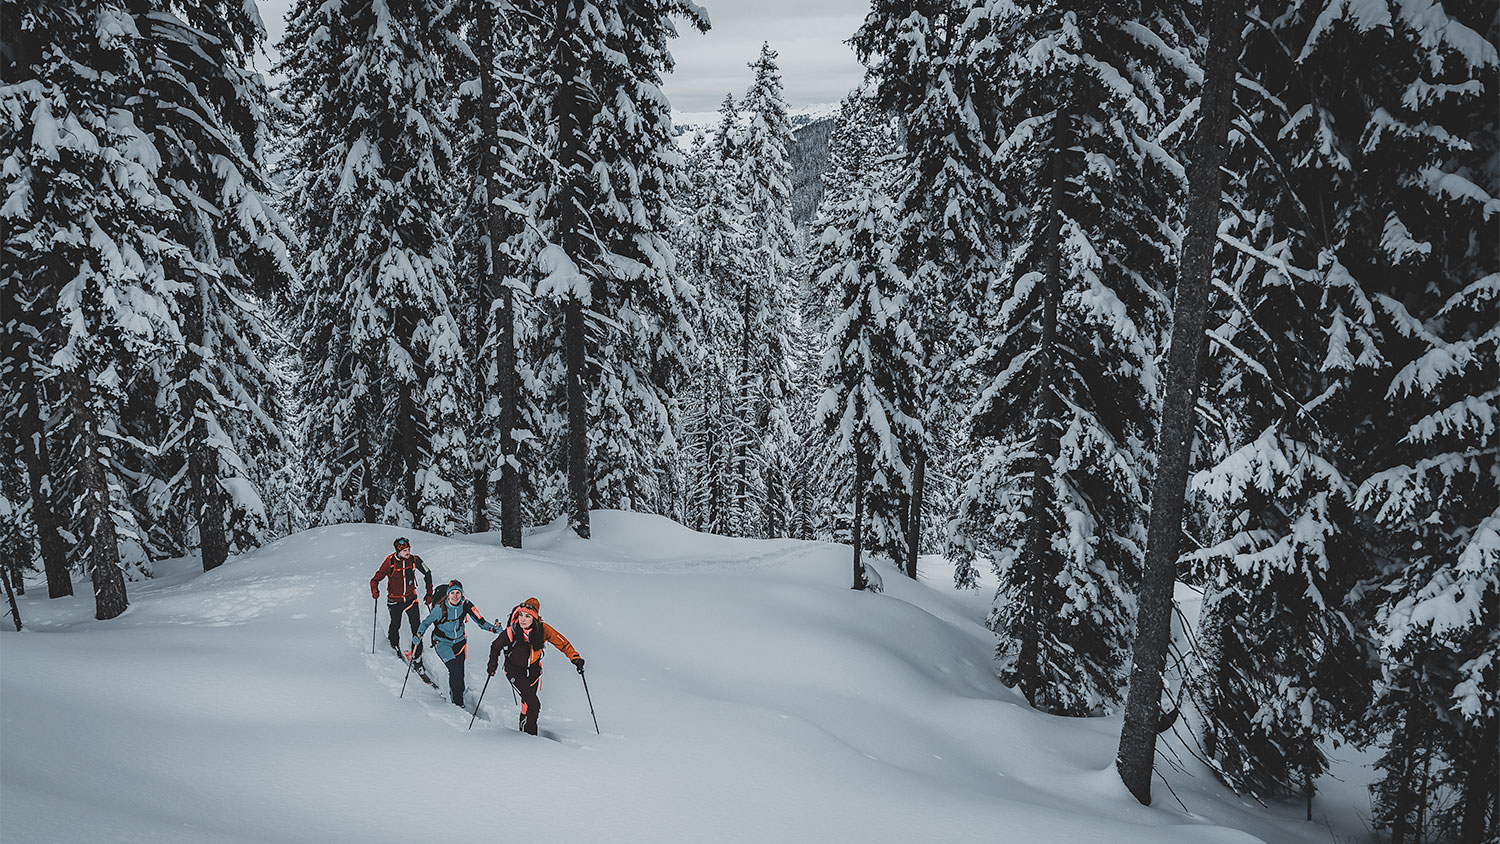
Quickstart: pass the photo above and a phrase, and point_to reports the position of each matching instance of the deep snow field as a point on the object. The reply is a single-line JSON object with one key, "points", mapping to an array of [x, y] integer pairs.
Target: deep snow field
{"points": [[743, 691]]}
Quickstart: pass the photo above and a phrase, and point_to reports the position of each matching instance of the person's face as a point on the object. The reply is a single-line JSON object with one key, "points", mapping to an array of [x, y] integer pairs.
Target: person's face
{"points": [[455, 596], [404, 551], [525, 620]]}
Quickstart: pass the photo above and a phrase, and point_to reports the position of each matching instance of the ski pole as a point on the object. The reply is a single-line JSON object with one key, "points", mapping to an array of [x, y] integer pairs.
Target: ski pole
{"points": [[481, 700], [591, 702], [374, 622], [407, 677]]}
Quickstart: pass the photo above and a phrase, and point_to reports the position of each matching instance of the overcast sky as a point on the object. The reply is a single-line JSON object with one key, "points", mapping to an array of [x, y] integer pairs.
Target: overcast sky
{"points": [[816, 65]]}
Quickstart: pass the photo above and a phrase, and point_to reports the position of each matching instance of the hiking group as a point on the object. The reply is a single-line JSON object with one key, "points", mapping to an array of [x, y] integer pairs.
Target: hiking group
{"points": [[520, 641]]}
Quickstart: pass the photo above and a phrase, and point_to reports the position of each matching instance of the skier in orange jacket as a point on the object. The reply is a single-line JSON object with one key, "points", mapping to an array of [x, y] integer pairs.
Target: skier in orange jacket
{"points": [[522, 644]]}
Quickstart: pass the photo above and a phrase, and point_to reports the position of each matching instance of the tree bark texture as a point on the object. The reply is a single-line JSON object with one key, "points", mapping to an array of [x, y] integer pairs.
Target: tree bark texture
{"points": [[860, 461], [914, 513], [572, 161], [37, 456], [10, 594], [408, 453], [1137, 752], [205, 491], [1038, 551], [578, 445], [367, 491], [494, 266], [483, 35], [102, 551], [511, 517], [1480, 784]]}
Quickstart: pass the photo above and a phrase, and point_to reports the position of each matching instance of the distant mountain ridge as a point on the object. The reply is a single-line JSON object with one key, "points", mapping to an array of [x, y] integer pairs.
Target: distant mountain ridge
{"points": [[811, 127]]}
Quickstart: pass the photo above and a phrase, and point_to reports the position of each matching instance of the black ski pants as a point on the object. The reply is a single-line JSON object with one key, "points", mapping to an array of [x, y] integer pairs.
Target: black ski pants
{"points": [[456, 672], [528, 684], [409, 608]]}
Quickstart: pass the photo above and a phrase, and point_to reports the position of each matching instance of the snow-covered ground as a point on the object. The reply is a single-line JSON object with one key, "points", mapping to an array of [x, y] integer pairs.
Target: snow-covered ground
{"points": [[744, 693]]}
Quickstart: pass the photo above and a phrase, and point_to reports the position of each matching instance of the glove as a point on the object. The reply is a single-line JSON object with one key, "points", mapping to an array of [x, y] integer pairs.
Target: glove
{"points": [[428, 600], [374, 594], [578, 663]]}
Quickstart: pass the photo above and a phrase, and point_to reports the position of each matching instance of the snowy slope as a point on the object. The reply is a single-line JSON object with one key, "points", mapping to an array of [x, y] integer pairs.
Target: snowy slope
{"points": [[745, 694]]}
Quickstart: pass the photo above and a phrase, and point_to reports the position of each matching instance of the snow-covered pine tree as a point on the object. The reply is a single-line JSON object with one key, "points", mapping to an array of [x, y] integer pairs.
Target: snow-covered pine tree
{"points": [[860, 163], [496, 227], [711, 242], [765, 301], [85, 220], [205, 111], [951, 207], [870, 366], [385, 385], [1072, 335], [1429, 152], [1324, 173], [607, 266]]}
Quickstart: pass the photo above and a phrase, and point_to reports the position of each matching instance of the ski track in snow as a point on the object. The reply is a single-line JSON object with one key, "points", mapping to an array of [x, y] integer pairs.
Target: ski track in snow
{"points": [[744, 693]]}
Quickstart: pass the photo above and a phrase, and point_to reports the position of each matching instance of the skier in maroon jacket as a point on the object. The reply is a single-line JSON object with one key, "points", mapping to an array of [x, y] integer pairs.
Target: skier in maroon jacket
{"points": [[400, 573]]}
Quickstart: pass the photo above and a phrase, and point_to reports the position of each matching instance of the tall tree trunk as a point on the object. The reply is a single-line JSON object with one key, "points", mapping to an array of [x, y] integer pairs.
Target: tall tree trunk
{"points": [[370, 504], [481, 504], [711, 445], [1413, 735], [492, 286], [859, 517], [772, 510], [408, 452], [1038, 551], [914, 513], [10, 593], [739, 519], [37, 456], [208, 502], [479, 474], [1480, 783], [1137, 751], [572, 160], [511, 517], [483, 37], [205, 490], [578, 446], [102, 551]]}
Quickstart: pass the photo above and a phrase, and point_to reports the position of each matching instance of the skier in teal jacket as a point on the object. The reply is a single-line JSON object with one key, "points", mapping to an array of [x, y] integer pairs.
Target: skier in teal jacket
{"points": [[447, 621]]}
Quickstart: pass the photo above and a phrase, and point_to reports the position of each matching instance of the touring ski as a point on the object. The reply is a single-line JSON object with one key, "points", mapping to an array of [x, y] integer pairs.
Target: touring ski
{"points": [[417, 668]]}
